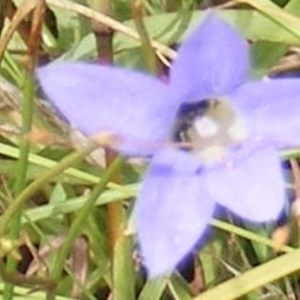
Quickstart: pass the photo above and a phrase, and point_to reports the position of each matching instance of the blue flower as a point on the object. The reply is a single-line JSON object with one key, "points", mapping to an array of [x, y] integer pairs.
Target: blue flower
{"points": [[230, 130]]}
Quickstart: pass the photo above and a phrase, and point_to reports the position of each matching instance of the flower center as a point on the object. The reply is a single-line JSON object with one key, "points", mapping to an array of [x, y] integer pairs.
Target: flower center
{"points": [[210, 128]]}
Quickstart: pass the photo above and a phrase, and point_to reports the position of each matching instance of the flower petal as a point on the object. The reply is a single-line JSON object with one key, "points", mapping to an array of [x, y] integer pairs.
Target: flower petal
{"points": [[271, 110], [251, 185], [98, 98], [211, 62], [173, 210]]}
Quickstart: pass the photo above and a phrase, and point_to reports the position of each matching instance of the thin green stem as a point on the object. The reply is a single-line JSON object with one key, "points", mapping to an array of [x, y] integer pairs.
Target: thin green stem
{"points": [[247, 234], [78, 223], [21, 172]]}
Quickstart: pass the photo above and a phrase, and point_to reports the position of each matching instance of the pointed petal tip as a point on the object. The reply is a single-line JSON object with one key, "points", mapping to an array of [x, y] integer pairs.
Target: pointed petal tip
{"points": [[158, 270], [206, 48], [173, 211]]}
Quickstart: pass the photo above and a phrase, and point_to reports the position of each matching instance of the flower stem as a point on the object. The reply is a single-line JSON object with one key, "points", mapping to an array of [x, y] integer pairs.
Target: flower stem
{"points": [[119, 244]]}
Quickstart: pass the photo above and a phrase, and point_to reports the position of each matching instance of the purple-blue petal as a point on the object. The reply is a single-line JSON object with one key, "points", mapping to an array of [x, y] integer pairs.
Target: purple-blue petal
{"points": [[251, 184], [211, 62], [173, 211], [96, 99], [271, 110]]}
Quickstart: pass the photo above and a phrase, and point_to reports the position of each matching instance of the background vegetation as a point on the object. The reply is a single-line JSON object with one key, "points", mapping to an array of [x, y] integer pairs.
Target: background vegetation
{"points": [[66, 229]]}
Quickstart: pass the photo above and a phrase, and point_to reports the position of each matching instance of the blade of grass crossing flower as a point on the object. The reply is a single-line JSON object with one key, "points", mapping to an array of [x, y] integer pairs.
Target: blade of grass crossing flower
{"points": [[254, 278], [153, 289], [292, 153], [123, 273], [179, 288]]}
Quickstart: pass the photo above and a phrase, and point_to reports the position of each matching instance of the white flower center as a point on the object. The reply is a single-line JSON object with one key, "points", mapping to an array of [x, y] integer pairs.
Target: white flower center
{"points": [[206, 127]]}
